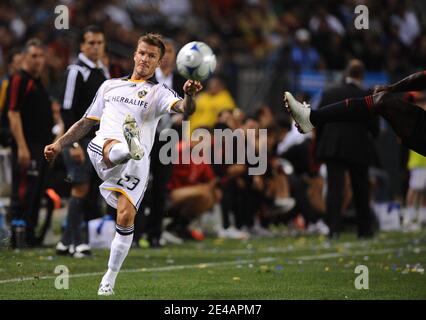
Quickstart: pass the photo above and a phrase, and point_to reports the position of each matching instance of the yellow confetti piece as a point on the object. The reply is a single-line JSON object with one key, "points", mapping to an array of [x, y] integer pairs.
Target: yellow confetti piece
{"points": [[202, 266], [300, 242], [143, 243], [264, 268], [218, 242], [326, 269], [236, 278]]}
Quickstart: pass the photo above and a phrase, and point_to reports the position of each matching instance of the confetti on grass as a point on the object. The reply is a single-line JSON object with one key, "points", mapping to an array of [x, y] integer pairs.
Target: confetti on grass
{"points": [[264, 268], [279, 268]]}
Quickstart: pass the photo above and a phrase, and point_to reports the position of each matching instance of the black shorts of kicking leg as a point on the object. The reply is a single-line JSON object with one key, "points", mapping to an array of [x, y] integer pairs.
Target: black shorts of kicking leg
{"points": [[417, 140]]}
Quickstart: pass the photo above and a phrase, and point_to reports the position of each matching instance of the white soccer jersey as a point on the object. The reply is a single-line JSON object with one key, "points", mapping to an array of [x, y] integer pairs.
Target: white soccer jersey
{"points": [[146, 101]]}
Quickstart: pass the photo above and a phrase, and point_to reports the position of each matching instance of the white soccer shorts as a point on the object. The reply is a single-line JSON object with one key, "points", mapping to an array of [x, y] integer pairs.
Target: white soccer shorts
{"points": [[129, 178], [418, 179]]}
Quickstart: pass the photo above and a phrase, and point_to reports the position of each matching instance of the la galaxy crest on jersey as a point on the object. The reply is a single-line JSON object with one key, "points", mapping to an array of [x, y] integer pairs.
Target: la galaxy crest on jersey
{"points": [[142, 93]]}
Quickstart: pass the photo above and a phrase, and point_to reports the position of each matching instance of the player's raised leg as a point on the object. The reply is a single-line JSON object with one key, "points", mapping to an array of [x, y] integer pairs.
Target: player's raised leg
{"points": [[357, 109], [120, 245], [116, 152], [405, 118], [347, 110], [131, 133], [408, 121]]}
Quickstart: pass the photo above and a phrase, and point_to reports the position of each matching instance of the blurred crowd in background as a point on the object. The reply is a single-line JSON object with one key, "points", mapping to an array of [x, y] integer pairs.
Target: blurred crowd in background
{"points": [[281, 39], [296, 34]]}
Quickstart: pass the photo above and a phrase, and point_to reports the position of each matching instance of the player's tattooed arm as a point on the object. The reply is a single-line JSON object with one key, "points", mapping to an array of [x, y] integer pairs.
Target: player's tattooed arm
{"points": [[414, 82], [187, 105], [77, 131]]}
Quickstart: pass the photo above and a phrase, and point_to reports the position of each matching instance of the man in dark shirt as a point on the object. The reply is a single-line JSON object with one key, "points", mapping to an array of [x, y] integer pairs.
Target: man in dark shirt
{"points": [[14, 64], [348, 146], [83, 80], [31, 122]]}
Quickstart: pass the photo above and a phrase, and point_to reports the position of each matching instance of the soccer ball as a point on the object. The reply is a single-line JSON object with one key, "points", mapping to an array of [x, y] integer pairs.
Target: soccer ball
{"points": [[196, 61]]}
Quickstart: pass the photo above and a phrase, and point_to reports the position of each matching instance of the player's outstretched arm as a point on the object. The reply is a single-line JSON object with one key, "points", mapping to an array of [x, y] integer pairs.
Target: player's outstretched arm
{"points": [[77, 131], [414, 82], [187, 105]]}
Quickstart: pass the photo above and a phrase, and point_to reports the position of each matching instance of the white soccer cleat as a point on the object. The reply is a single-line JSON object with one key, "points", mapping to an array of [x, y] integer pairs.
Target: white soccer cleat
{"points": [[318, 228], [105, 289], [131, 133], [82, 251], [299, 111], [233, 233], [62, 249], [286, 204], [167, 237]]}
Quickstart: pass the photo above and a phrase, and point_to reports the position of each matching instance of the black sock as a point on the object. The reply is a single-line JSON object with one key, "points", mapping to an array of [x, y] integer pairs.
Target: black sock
{"points": [[73, 231], [346, 110]]}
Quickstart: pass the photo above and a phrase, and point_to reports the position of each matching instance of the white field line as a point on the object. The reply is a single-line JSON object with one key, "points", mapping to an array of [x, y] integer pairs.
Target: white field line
{"points": [[347, 254], [359, 244], [215, 264], [157, 269]]}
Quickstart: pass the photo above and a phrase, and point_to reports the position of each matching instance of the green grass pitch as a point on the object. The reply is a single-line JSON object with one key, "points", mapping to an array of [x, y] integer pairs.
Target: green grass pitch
{"points": [[275, 268]]}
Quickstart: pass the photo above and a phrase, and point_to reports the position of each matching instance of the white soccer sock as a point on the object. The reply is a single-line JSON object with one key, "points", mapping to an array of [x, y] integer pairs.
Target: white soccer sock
{"points": [[119, 153], [410, 215], [119, 248]]}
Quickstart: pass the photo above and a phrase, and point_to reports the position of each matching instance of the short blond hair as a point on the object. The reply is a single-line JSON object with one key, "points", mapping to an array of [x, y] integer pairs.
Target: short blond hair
{"points": [[153, 39]]}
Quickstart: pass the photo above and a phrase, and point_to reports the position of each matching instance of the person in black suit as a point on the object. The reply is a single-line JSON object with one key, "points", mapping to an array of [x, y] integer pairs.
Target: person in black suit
{"points": [[348, 146], [161, 173]]}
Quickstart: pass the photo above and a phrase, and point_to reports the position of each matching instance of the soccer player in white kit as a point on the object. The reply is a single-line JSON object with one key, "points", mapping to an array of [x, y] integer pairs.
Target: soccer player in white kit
{"points": [[128, 110]]}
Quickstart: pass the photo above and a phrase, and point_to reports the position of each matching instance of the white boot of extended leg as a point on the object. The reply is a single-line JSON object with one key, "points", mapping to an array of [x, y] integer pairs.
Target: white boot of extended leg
{"points": [[299, 111], [105, 289], [131, 133]]}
